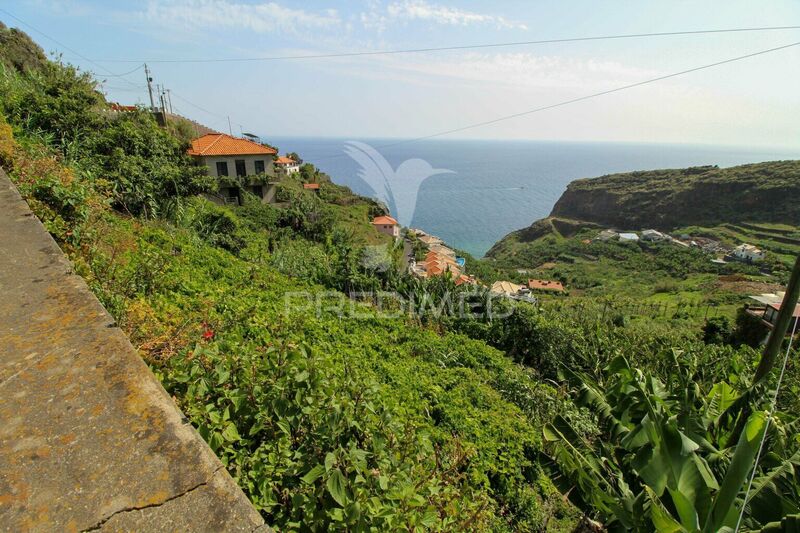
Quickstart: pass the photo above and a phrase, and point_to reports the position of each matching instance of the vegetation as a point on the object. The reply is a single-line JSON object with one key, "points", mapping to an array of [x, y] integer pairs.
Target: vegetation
{"points": [[705, 196], [335, 412]]}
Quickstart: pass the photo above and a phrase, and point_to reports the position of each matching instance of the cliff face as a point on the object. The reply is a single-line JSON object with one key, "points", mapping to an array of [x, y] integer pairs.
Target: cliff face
{"points": [[665, 199]]}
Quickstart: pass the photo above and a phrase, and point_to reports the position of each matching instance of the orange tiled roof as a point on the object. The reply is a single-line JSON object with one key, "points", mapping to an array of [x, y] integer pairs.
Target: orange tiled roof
{"points": [[434, 256], [283, 160], [311, 185], [384, 221], [463, 278], [540, 284], [222, 144]]}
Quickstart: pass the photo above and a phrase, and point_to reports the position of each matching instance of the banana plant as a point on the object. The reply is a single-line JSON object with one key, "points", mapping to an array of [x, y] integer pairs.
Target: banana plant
{"points": [[658, 463]]}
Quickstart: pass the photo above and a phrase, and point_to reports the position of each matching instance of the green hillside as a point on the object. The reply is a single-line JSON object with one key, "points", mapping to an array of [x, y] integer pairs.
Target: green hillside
{"points": [[702, 196], [439, 408]]}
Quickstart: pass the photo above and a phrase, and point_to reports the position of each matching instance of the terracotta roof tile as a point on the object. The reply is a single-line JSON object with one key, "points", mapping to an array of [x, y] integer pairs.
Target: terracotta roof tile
{"points": [[380, 221], [221, 144]]}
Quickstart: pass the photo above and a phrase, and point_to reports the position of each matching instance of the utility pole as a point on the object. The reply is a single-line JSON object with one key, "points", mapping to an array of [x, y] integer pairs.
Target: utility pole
{"points": [[778, 333], [163, 104], [169, 101], [230, 129], [149, 87]]}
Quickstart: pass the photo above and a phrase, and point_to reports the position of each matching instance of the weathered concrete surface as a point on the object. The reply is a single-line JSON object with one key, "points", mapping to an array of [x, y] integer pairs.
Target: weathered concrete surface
{"points": [[89, 440]]}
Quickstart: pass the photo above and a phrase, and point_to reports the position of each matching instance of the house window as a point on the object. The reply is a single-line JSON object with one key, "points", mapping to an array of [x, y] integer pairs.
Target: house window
{"points": [[241, 169], [222, 168], [260, 166]]}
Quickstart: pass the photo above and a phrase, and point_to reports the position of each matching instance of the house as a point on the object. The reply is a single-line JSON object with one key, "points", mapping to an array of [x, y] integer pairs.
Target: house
{"points": [[238, 164], [443, 250], [430, 240], [652, 235], [287, 165], [770, 316], [463, 278], [748, 253], [545, 285], [387, 225], [628, 237], [506, 288]]}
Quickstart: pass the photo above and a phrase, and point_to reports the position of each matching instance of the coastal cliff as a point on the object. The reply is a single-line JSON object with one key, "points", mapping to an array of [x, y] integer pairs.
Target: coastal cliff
{"points": [[665, 199]]}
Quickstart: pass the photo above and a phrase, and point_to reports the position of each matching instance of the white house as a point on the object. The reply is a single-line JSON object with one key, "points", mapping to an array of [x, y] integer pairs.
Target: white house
{"points": [[628, 237], [287, 165], [748, 253], [239, 164]]}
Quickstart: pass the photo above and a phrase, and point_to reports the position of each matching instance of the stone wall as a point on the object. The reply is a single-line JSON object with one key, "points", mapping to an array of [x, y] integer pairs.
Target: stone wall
{"points": [[89, 440]]}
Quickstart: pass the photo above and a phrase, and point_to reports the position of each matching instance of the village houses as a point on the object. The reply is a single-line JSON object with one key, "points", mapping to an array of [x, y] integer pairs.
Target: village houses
{"points": [[238, 164]]}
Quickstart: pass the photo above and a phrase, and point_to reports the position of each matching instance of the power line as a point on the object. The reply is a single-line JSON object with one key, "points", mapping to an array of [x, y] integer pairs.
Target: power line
{"points": [[593, 95], [126, 73], [67, 48], [460, 47]]}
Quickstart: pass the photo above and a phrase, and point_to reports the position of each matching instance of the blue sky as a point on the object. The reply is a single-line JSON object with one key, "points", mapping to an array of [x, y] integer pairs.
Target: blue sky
{"points": [[752, 103]]}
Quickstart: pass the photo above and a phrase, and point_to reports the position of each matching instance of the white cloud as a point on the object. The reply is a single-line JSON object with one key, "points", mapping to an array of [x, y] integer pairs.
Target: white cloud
{"points": [[453, 16], [520, 70], [261, 17]]}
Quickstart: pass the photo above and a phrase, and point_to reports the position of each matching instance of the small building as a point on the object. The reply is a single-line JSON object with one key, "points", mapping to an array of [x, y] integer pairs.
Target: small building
{"points": [[506, 288], [545, 285], [429, 240], [628, 237], [238, 164], [311, 187], [387, 225], [748, 253], [442, 250], [463, 278], [287, 165], [652, 235], [771, 316]]}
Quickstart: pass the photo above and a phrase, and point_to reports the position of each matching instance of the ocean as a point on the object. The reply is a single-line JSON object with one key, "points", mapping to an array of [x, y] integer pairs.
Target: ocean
{"points": [[496, 187]]}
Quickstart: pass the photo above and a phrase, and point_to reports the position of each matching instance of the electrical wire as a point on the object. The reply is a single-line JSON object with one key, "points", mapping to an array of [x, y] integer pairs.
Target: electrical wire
{"points": [[579, 99], [458, 47], [67, 48]]}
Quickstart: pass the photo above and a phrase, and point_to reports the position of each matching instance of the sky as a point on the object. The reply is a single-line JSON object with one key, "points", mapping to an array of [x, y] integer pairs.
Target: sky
{"points": [[752, 103]]}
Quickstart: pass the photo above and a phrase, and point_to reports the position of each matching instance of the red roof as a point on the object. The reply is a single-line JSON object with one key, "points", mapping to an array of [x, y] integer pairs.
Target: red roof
{"points": [[540, 284], [282, 160], [463, 278], [222, 144], [311, 185], [384, 221], [796, 309]]}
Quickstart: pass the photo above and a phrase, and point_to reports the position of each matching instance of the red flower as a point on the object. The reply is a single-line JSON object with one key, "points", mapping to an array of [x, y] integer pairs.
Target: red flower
{"points": [[208, 334]]}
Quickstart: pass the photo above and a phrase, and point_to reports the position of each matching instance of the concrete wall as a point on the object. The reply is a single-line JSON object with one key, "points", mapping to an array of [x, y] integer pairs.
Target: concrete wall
{"points": [[89, 440]]}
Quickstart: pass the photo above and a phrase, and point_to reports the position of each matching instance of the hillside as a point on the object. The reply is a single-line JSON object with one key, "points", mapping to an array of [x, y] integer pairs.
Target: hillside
{"points": [[717, 208], [343, 394], [702, 196]]}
